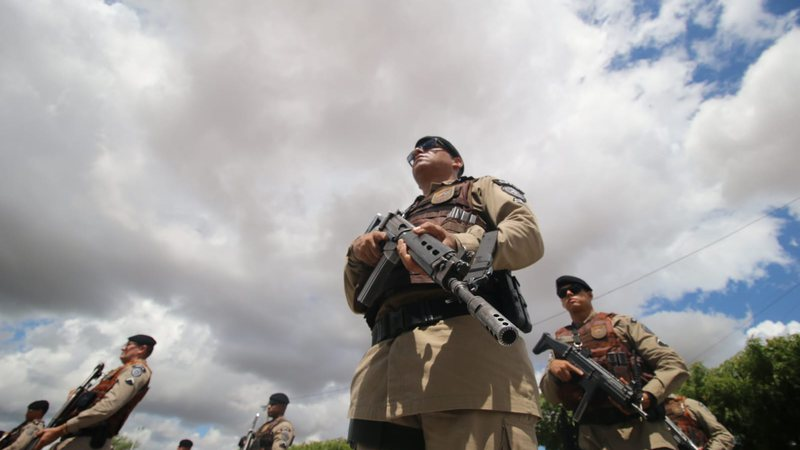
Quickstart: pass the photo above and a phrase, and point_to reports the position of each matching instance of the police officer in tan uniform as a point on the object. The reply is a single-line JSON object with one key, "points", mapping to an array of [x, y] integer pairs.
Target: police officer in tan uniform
{"points": [[630, 351], [698, 423], [114, 397], [22, 435], [434, 378], [277, 433]]}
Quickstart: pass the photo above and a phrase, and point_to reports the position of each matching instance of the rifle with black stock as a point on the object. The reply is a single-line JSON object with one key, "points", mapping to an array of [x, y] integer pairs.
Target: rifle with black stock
{"points": [[75, 402], [251, 434], [597, 377], [442, 264]]}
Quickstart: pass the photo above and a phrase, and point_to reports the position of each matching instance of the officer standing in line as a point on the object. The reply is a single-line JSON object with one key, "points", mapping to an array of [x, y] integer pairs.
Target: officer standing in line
{"points": [[185, 444], [630, 351], [22, 435], [434, 378], [114, 397], [278, 432], [698, 423]]}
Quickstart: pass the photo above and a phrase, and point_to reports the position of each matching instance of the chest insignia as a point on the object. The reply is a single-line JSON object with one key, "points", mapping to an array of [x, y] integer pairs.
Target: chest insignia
{"points": [[599, 331], [444, 194]]}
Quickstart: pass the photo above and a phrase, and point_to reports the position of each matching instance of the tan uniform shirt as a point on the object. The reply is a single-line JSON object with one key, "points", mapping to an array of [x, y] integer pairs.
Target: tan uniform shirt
{"points": [[669, 373], [133, 378], [282, 434], [719, 438], [455, 363], [26, 434]]}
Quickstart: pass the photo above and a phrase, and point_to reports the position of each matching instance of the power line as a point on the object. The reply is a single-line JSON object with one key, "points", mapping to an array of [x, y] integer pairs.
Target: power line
{"points": [[677, 260], [779, 297]]}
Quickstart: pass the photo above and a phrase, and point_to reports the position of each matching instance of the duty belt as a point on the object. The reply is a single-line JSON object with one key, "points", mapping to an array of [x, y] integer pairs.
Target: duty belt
{"points": [[413, 315]]}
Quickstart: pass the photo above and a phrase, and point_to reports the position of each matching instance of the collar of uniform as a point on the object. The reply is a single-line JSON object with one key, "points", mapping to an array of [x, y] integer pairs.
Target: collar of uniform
{"points": [[585, 321]]}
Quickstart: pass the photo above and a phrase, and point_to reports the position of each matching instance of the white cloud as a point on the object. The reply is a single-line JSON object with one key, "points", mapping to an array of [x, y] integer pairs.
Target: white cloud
{"points": [[199, 172], [769, 329]]}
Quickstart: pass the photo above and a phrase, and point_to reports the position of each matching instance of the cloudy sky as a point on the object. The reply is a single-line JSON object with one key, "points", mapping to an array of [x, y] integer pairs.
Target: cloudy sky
{"points": [[196, 171]]}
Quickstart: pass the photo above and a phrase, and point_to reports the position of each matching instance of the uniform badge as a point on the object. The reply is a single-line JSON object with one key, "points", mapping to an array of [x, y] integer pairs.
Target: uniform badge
{"points": [[443, 195], [137, 371], [511, 190], [599, 331]]}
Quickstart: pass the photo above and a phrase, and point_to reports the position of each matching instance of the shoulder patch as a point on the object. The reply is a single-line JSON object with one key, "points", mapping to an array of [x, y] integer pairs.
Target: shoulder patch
{"points": [[511, 190], [137, 370], [443, 195]]}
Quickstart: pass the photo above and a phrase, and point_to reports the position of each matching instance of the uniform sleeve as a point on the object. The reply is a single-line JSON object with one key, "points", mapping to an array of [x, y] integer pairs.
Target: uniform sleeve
{"points": [[356, 274], [26, 435], [519, 243], [128, 384], [719, 438], [283, 435], [669, 369], [549, 387]]}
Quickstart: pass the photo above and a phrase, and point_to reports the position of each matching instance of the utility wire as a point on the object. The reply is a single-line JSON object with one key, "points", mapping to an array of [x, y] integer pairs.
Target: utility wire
{"points": [[772, 303], [675, 261]]}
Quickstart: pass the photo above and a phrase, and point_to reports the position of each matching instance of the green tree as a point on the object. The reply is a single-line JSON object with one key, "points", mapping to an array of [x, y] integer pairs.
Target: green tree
{"points": [[334, 444], [122, 442], [553, 427], [755, 393]]}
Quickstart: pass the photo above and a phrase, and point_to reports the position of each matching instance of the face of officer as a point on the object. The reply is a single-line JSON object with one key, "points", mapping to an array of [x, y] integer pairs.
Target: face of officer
{"points": [[431, 163], [276, 409], [132, 351], [32, 414], [576, 299]]}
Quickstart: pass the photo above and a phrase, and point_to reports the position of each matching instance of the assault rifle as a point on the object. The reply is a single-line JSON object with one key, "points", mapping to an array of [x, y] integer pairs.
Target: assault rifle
{"points": [[442, 265], [251, 434], [597, 377], [79, 399]]}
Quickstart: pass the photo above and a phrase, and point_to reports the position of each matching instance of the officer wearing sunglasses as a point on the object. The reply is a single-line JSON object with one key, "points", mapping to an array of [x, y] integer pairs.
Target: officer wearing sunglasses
{"points": [[625, 348], [434, 378]]}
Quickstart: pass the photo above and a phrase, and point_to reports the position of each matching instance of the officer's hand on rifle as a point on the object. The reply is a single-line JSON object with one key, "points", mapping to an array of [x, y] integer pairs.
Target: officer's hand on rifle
{"points": [[367, 247], [647, 400], [49, 435], [563, 369], [426, 228]]}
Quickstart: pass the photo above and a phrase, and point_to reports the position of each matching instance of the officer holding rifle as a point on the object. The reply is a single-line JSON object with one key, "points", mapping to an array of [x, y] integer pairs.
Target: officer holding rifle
{"points": [[99, 413], [626, 349], [434, 377]]}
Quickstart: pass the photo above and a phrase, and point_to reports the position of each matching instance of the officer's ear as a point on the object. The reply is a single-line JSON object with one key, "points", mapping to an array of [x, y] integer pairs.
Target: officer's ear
{"points": [[458, 163]]}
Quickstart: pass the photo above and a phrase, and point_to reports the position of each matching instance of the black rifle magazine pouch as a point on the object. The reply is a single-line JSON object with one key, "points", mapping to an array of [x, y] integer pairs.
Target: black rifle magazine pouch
{"points": [[502, 291]]}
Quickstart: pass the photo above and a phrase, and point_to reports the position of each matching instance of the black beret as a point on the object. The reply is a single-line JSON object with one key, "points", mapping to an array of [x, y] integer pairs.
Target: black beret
{"points": [[142, 339], [40, 405], [569, 279], [186, 443], [278, 399], [451, 149]]}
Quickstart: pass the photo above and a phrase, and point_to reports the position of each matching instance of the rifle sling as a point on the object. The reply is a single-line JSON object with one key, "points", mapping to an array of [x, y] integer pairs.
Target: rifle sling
{"points": [[413, 315]]}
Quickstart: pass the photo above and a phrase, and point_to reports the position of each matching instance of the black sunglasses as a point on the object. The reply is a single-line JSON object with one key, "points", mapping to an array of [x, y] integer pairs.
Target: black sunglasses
{"points": [[574, 288], [426, 146]]}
